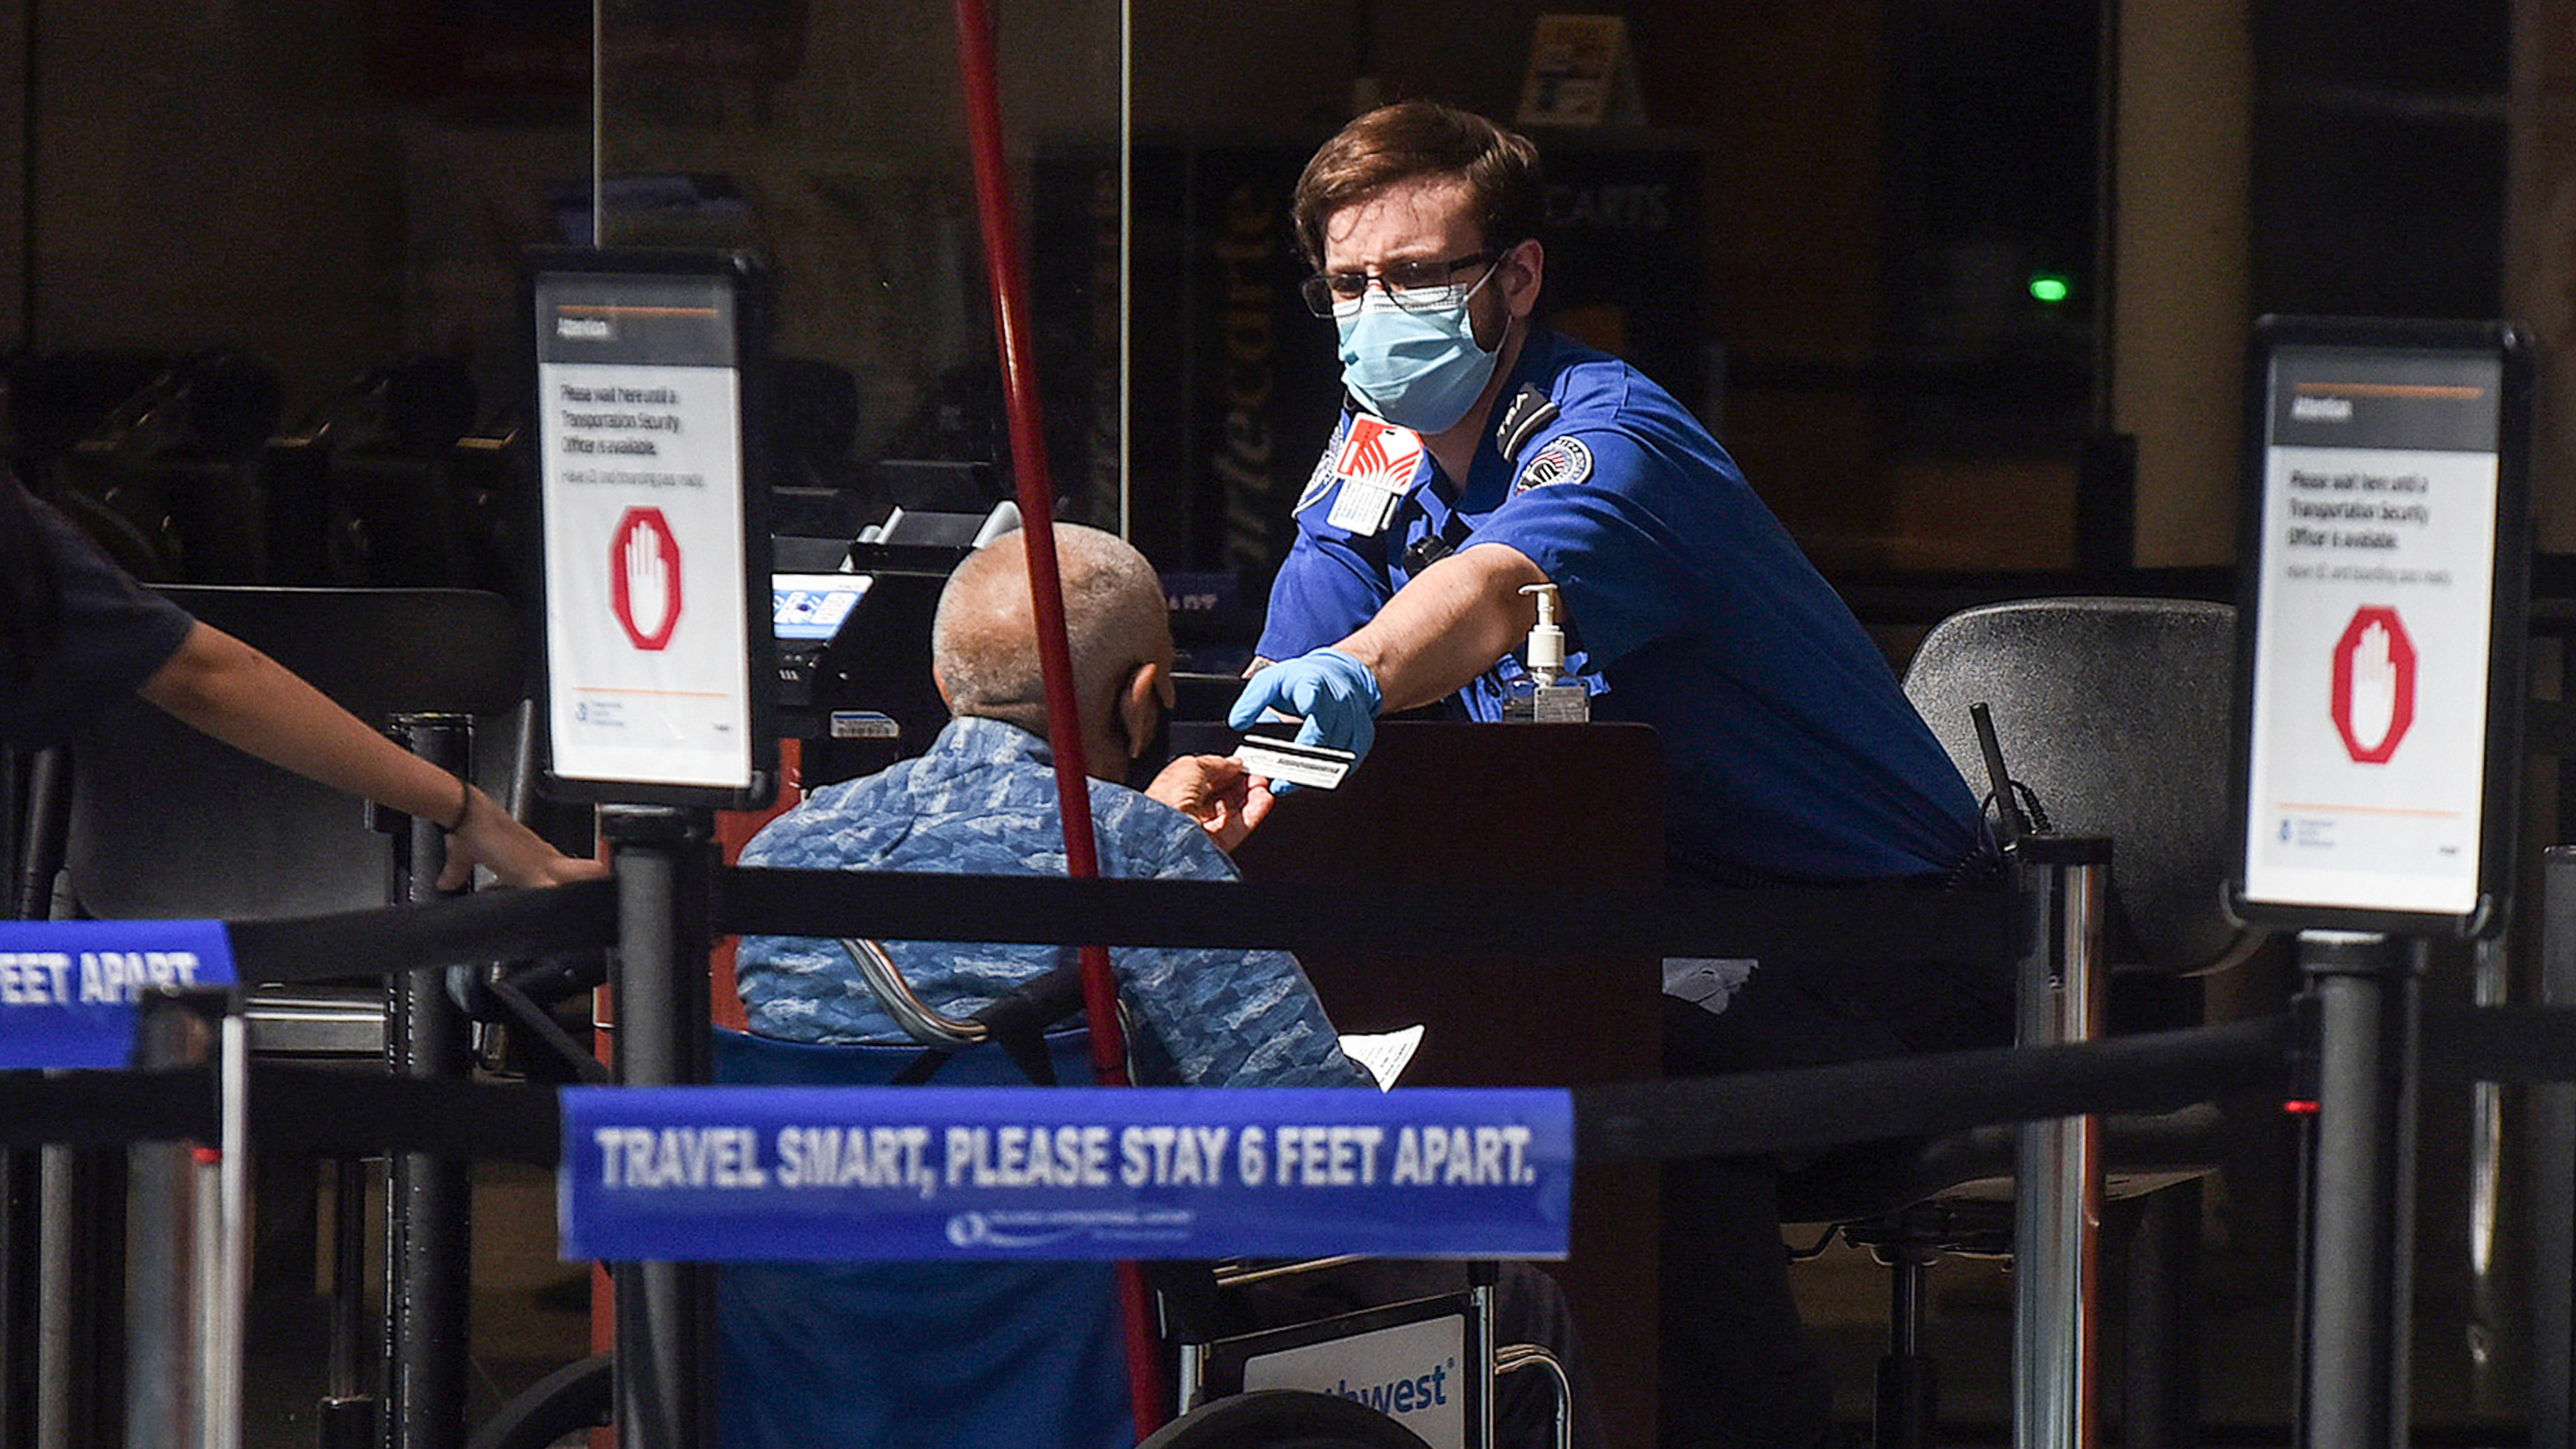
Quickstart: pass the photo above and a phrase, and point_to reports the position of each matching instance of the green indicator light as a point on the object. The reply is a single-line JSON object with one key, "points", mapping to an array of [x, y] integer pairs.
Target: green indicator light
{"points": [[2049, 287]]}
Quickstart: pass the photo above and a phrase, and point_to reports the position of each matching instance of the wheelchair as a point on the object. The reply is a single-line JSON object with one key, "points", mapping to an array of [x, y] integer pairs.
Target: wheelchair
{"points": [[978, 1354]]}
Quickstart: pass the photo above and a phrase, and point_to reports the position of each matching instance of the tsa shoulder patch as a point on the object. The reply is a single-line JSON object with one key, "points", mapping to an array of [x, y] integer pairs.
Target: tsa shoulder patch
{"points": [[1320, 479], [1563, 459]]}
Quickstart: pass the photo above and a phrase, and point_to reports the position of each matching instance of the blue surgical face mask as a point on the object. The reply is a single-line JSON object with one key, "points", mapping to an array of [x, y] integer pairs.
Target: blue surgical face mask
{"points": [[1418, 370]]}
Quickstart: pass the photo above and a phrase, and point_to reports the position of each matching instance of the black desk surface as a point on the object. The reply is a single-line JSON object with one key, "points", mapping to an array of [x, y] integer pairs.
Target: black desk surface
{"points": [[1563, 810]]}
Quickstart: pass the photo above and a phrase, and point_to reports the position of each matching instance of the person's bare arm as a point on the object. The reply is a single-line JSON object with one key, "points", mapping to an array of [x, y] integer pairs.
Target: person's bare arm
{"points": [[227, 689], [1448, 625]]}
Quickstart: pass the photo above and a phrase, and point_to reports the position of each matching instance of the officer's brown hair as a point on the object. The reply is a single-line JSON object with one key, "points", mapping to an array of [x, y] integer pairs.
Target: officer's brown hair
{"points": [[1412, 139]]}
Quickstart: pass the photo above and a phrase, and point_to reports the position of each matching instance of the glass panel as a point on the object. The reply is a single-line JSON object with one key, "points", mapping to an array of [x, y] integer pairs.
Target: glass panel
{"points": [[829, 137], [1820, 225], [263, 265], [1867, 260]]}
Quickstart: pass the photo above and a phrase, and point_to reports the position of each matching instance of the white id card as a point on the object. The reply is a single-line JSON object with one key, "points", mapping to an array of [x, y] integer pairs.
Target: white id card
{"points": [[1317, 767]]}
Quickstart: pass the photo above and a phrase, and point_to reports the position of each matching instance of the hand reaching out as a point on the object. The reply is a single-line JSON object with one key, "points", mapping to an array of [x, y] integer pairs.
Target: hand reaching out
{"points": [[513, 853], [1333, 693], [227, 689], [1226, 800]]}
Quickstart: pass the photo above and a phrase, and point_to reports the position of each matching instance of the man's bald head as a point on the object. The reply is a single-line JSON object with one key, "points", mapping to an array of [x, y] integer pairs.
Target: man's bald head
{"points": [[984, 644]]}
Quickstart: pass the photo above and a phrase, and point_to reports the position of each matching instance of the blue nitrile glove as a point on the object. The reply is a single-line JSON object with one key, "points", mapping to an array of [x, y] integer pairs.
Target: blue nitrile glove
{"points": [[1332, 692]]}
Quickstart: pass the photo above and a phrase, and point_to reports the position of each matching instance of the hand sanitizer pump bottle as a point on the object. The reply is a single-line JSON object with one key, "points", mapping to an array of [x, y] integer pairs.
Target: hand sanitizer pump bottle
{"points": [[1543, 694]]}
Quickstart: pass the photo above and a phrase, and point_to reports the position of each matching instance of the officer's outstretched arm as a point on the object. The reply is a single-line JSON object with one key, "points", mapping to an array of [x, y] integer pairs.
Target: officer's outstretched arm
{"points": [[1448, 625]]}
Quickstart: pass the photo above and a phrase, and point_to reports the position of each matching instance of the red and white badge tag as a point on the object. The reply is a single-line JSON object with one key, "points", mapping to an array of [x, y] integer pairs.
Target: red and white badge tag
{"points": [[1376, 466]]}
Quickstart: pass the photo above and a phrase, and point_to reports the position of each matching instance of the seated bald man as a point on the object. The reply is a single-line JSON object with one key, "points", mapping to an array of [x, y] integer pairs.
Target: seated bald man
{"points": [[982, 801]]}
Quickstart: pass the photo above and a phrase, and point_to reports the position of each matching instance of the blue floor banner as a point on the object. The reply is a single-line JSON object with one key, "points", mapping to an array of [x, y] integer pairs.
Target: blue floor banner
{"points": [[71, 991], [752, 1174]]}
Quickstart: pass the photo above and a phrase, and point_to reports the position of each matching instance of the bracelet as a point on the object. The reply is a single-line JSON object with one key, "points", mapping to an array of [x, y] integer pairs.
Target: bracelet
{"points": [[464, 806]]}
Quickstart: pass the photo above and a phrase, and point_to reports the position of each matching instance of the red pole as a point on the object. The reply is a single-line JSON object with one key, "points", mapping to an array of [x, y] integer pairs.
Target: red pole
{"points": [[1009, 270]]}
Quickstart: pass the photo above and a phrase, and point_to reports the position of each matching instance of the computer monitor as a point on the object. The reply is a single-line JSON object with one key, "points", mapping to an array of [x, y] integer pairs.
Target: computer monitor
{"points": [[854, 641]]}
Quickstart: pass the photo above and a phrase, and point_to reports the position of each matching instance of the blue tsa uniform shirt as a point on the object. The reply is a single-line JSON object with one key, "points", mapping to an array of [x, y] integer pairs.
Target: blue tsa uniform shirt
{"points": [[1791, 754]]}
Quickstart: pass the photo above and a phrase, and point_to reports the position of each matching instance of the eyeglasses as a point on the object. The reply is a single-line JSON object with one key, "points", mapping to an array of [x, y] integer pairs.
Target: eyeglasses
{"points": [[1413, 286]]}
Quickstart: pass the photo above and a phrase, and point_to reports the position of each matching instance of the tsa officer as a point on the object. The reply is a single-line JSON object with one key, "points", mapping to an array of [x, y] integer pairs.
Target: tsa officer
{"points": [[1480, 453]]}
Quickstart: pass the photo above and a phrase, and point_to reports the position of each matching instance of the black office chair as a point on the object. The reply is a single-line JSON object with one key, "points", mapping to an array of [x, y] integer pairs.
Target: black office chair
{"points": [[1017, 1343], [2115, 716]]}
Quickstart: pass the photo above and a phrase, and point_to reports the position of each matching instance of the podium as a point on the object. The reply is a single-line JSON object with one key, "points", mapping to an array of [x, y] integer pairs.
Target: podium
{"points": [[1564, 810]]}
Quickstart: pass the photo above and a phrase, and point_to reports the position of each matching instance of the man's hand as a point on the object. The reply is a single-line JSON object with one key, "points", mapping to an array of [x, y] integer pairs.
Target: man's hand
{"points": [[1223, 797], [1331, 691]]}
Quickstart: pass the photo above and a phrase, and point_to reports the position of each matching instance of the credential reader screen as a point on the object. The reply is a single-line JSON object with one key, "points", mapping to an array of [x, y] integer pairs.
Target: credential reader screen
{"points": [[639, 432], [2368, 725]]}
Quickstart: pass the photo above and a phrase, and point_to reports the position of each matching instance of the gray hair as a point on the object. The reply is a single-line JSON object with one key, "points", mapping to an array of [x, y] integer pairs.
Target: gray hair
{"points": [[984, 640]]}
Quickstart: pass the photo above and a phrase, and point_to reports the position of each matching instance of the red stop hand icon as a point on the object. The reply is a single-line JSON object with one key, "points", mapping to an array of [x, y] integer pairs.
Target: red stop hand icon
{"points": [[644, 577], [2374, 684]]}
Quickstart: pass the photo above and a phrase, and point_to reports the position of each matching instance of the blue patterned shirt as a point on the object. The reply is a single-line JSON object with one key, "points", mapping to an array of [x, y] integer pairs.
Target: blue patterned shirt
{"points": [[982, 801]]}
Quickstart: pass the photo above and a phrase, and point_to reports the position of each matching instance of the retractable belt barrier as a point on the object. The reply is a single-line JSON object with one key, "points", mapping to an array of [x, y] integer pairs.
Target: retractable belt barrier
{"points": [[293, 1109], [1883, 923], [305, 1109], [1899, 923]]}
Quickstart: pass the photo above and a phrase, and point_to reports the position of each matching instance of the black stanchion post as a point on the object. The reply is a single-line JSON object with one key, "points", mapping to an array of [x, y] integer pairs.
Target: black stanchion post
{"points": [[347, 1417], [2488, 1331], [2553, 1178], [18, 1316], [429, 1200], [665, 861], [2160, 1373], [82, 1214], [32, 819], [2361, 1204], [48, 816]]}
